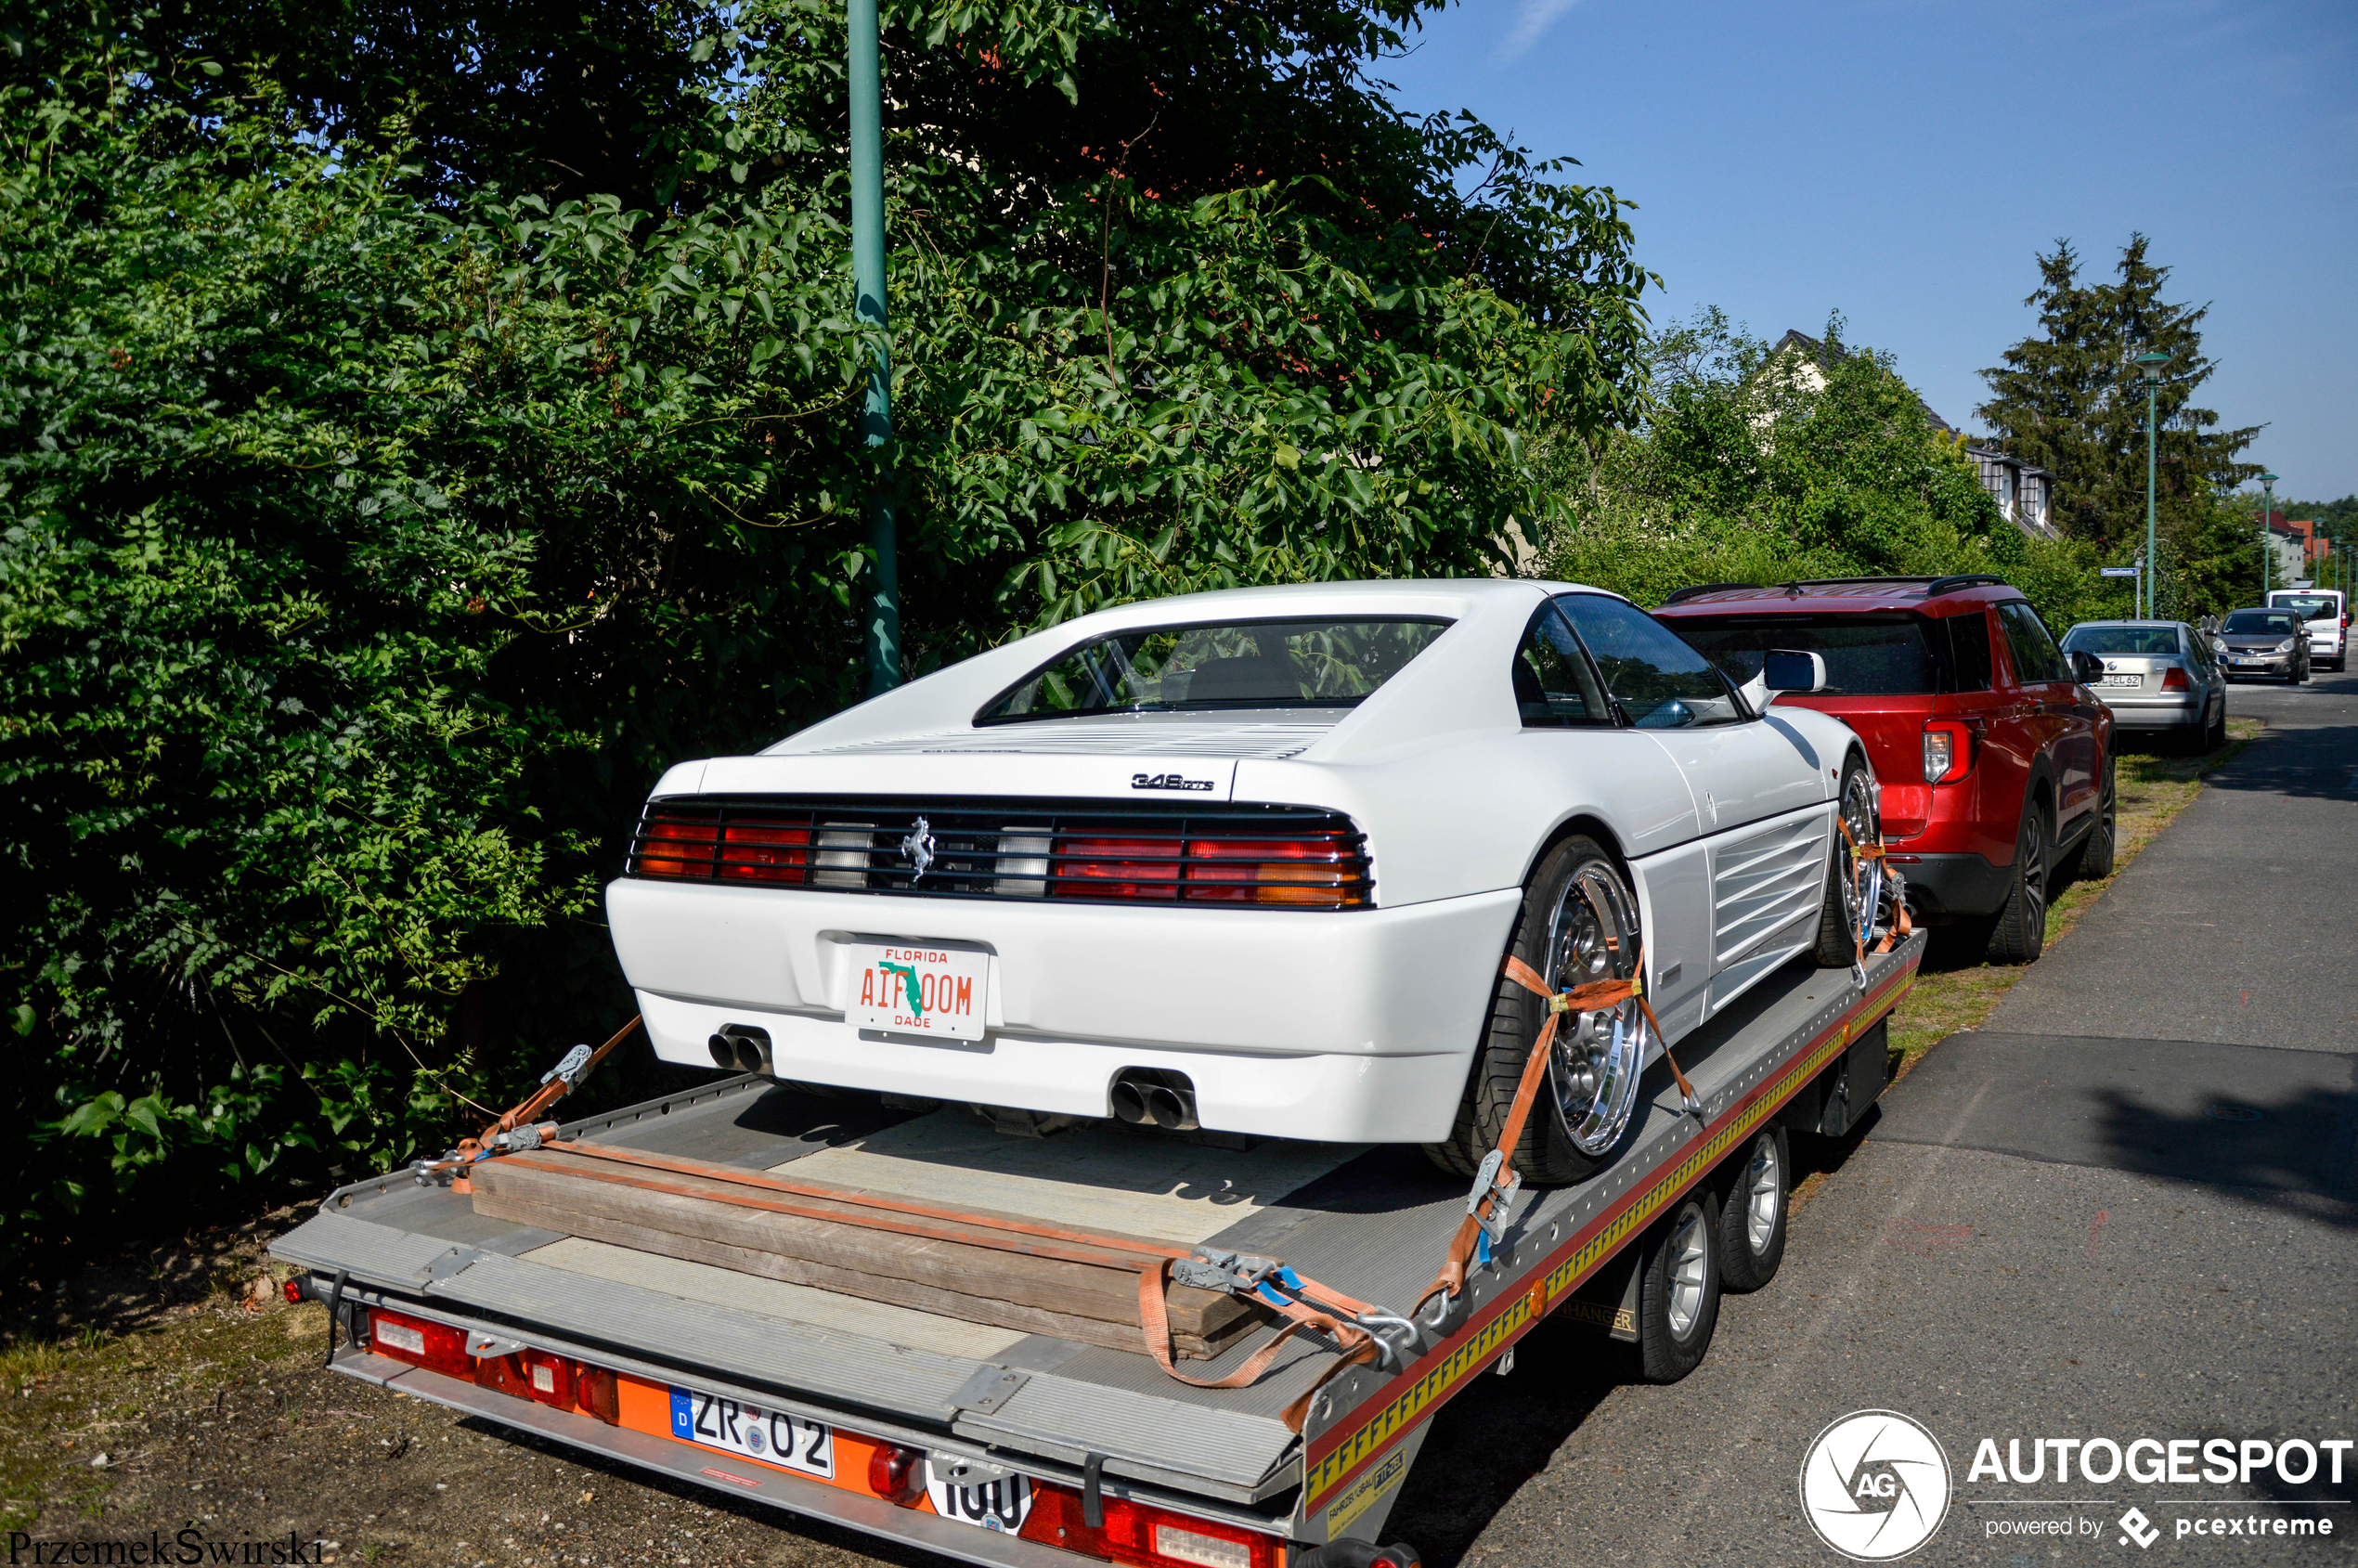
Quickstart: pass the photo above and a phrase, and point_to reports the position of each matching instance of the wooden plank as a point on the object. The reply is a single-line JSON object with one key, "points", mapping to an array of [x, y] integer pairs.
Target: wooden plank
{"points": [[691, 1207], [848, 1282]]}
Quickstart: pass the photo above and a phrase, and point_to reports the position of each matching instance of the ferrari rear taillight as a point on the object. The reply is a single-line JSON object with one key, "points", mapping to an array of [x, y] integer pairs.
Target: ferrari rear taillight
{"points": [[676, 848], [1320, 871], [1143, 1535], [754, 853], [2174, 679]]}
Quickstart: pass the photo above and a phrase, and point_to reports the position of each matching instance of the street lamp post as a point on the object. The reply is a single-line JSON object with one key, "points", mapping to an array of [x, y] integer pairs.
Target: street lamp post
{"points": [[2150, 365], [864, 80], [2267, 545]]}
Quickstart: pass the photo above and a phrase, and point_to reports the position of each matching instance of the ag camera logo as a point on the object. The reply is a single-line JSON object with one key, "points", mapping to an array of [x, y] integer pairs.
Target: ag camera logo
{"points": [[1875, 1485]]}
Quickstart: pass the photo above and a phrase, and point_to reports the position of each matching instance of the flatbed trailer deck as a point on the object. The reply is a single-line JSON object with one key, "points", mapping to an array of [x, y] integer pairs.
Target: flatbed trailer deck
{"points": [[1017, 1440]]}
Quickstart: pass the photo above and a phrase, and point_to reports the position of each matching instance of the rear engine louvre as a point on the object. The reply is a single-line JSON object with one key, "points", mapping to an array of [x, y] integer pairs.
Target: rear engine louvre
{"points": [[1283, 857]]}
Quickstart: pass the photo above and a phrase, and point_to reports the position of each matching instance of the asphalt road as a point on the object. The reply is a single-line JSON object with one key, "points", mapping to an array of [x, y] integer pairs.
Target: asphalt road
{"points": [[2127, 1209]]}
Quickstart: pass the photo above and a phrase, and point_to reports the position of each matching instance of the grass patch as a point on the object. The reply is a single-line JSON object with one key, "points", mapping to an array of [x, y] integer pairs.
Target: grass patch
{"points": [[1955, 991]]}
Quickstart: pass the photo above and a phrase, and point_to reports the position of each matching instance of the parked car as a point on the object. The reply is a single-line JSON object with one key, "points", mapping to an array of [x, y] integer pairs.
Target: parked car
{"points": [[2159, 678], [2265, 642], [1996, 759], [2327, 618], [1252, 861]]}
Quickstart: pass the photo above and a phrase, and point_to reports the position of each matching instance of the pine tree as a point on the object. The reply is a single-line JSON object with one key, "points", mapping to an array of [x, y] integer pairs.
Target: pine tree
{"points": [[2072, 400]]}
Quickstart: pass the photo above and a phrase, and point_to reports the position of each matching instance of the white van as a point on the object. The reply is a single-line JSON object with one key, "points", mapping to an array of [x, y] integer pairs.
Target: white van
{"points": [[2329, 620]]}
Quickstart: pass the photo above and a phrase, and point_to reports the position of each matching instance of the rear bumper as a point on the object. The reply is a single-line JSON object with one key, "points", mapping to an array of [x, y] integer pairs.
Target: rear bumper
{"points": [[1351, 1026], [1942, 887], [2145, 714]]}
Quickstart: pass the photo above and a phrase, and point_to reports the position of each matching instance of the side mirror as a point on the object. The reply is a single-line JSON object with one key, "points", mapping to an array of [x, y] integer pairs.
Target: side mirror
{"points": [[1782, 669], [2087, 667]]}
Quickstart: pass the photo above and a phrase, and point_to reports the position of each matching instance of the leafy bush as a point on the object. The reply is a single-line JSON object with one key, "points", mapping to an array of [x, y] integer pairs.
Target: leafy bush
{"points": [[372, 531]]}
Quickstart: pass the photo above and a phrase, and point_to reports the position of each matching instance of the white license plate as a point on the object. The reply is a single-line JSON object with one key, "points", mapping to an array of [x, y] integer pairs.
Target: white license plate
{"points": [[909, 987], [715, 1420], [2121, 681], [1001, 1505]]}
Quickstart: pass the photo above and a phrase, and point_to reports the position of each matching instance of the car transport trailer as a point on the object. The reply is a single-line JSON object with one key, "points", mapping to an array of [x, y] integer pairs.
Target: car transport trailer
{"points": [[965, 1432]]}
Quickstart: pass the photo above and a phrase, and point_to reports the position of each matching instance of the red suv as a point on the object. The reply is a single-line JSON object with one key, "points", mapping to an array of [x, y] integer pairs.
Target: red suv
{"points": [[1996, 761]]}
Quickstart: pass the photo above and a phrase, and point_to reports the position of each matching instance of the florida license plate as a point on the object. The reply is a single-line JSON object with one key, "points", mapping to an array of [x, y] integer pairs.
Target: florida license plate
{"points": [[715, 1420], [911, 988]]}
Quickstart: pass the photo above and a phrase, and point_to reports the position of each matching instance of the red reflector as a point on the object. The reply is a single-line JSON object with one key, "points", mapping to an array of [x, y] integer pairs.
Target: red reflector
{"points": [[896, 1475], [292, 1290], [2174, 681], [1143, 1534], [599, 1394], [435, 1346]]}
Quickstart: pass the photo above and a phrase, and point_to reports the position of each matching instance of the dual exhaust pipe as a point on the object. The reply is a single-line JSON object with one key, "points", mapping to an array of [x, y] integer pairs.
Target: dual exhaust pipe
{"points": [[742, 1047], [1155, 1097]]}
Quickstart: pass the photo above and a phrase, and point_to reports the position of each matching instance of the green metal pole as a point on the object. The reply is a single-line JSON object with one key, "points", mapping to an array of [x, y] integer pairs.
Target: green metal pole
{"points": [[2152, 562], [866, 86]]}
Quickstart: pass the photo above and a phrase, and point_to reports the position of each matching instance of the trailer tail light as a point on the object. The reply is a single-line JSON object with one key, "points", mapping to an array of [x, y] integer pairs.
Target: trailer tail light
{"points": [[2174, 679], [549, 1379], [438, 1347], [292, 1290], [1948, 751], [898, 1475], [1143, 1535]]}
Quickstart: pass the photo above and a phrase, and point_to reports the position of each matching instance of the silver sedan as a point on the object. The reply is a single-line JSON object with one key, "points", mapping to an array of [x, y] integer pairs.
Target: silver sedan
{"points": [[2160, 679]]}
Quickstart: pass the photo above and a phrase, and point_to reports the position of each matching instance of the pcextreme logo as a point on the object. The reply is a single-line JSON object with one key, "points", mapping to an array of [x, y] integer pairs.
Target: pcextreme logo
{"points": [[1875, 1485]]}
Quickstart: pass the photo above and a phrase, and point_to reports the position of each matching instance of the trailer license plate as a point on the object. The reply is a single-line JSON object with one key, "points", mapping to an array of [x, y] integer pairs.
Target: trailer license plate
{"points": [[1000, 1505], [715, 1420], [910, 987]]}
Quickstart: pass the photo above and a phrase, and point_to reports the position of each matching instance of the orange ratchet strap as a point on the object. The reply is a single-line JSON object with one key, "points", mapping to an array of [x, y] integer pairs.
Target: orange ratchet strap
{"points": [[1860, 854], [1497, 1182]]}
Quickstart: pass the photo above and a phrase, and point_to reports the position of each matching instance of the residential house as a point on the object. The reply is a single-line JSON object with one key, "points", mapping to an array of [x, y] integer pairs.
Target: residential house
{"points": [[2025, 492]]}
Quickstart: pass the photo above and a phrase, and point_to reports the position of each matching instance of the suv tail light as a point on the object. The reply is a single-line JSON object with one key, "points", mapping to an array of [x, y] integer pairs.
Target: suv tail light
{"points": [[1948, 751], [1146, 1536], [2174, 679]]}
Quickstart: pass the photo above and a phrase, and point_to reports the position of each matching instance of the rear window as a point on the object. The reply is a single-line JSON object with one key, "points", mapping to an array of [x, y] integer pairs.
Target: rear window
{"points": [[1228, 665], [1866, 655], [2309, 608], [2259, 623], [2101, 639]]}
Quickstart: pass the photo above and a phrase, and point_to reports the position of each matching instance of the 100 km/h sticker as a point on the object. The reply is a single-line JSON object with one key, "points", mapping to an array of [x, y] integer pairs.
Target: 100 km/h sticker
{"points": [[914, 988], [715, 1420]]}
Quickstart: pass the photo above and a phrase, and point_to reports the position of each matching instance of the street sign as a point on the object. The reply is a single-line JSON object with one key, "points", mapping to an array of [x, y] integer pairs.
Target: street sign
{"points": [[2116, 571]]}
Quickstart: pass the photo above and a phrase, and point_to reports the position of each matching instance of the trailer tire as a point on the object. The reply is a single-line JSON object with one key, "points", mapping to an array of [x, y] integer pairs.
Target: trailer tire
{"points": [[1679, 1289], [1752, 1212]]}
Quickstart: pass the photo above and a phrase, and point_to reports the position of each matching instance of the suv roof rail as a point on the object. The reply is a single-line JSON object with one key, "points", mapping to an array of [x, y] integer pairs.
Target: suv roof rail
{"points": [[1694, 590], [1965, 579]]}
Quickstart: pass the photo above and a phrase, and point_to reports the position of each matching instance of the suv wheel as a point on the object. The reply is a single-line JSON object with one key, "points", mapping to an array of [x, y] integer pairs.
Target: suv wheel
{"points": [[2020, 934], [2092, 859]]}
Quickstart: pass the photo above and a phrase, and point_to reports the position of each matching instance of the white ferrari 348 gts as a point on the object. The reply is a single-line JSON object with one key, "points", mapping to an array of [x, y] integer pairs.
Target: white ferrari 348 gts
{"points": [[1252, 862]]}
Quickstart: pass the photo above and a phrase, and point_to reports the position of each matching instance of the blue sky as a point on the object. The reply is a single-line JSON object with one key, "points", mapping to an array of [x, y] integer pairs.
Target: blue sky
{"points": [[1902, 163]]}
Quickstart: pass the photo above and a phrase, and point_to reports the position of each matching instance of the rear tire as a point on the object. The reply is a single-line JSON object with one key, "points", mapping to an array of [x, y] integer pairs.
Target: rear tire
{"points": [[1678, 1290], [1555, 913], [1752, 1212], [2216, 736], [1837, 921], [2020, 933], [2092, 861]]}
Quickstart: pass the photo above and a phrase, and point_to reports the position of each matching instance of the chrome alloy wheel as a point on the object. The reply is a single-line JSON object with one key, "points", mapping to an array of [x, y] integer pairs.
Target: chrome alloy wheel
{"points": [[1764, 1189], [2034, 871], [1689, 1271], [1862, 894], [1597, 1056]]}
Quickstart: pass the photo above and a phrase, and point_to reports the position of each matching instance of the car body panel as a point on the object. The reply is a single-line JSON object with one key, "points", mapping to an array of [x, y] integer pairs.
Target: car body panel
{"points": [[1349, 1024]]}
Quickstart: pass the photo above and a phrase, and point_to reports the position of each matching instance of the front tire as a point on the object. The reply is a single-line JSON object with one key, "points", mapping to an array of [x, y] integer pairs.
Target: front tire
{"points": [[2019, 933], [2216, 736], [1678, 1290], [1838, 920], [1578, 923]]}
